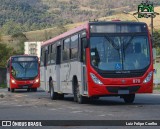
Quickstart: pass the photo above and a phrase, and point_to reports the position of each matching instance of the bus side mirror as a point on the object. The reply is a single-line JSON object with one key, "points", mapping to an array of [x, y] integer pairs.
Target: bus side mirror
{"points": [[154, 53]]}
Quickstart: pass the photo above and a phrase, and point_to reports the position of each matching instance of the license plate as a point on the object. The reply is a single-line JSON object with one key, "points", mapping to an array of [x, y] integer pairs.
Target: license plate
{"points": [[25, 87], [123, 91]]}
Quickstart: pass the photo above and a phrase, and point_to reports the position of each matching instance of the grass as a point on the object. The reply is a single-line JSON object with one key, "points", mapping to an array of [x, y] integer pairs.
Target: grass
{"points": [[157, 87], [3, 85]]}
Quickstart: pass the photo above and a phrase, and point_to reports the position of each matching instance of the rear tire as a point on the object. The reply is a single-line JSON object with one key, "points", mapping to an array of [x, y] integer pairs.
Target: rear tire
{"points": [[9, 89], [74, 85], [129, 98], [60, 96], [34, 89], [53, 95]]}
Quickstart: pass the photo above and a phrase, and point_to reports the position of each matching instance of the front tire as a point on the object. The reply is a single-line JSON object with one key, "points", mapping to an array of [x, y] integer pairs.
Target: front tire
{"points": [[129, 98], [9, 89], [34, 89], [12, 90]]}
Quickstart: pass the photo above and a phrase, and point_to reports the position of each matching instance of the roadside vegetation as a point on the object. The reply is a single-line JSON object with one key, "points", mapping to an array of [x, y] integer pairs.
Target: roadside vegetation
{"points": [[3, 85]]}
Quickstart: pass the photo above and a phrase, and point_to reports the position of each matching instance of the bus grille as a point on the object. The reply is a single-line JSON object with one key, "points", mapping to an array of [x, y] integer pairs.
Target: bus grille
{"points": [[114, 89]]}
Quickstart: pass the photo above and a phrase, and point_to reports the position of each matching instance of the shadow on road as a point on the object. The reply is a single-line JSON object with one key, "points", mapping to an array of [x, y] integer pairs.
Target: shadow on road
{"points": [[110, 101]]}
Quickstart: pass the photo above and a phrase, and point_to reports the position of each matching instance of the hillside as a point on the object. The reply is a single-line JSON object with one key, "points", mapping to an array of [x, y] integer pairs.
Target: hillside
{"points": [[29, 15], [44, 34]]}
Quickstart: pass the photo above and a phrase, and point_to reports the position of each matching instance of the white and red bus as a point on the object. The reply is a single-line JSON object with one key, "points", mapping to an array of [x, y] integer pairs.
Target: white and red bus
{"points": [[23, 72], [99, 59]]}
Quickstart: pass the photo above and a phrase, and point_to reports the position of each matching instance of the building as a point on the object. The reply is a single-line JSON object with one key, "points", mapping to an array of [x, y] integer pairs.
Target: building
{"points": [[32, 48], [157, 71]]}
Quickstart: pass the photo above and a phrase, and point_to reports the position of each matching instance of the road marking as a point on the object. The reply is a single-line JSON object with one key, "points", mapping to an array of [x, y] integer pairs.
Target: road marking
{"points": [[53, 109], [76, 111], [19, 105], [102, 115], [156, 94], [110, 114]]}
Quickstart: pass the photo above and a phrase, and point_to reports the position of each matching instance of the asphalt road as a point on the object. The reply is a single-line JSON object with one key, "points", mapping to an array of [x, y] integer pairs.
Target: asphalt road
{"points": [[23, 105]]}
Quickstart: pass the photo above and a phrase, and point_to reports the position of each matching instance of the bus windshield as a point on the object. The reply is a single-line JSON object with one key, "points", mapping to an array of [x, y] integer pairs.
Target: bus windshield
{"points": [[24, 69], [119, 52]]}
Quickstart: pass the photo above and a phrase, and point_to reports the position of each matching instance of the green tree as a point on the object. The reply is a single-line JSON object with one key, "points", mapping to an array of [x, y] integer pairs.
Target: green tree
{"points": [[11, 27], [156, 41], [5, 53], [19, 38]]}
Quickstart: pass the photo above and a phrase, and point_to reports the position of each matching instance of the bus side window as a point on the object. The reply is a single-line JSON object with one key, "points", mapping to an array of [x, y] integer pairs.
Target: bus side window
{"points": [[49, 54], [42, 57], [53, 53], [74, 47], [46, 58], [66, 50]]}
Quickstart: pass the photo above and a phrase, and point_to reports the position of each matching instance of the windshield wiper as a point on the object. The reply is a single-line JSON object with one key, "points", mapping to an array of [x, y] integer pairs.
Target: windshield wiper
{"points": [[125, 46], [112, 42]]}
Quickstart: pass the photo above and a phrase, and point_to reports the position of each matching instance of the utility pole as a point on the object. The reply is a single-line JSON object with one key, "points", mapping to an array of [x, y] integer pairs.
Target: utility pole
{"points": [[152, 27]]}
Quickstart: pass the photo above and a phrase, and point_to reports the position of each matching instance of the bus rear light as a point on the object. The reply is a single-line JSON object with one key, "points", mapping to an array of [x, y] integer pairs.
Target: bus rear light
{"points": [[13, 81], [148, 78], [95, 79]]}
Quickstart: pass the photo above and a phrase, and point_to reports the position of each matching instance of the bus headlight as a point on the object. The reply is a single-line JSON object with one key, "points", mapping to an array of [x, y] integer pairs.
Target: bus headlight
{"points": [[148, 78], [13, 81], [37, 80], [95, 79]]}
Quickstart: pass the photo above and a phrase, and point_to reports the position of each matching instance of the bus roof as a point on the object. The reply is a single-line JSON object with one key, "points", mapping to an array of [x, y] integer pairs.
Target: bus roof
{"points": [[70, 32], [85, 26]]}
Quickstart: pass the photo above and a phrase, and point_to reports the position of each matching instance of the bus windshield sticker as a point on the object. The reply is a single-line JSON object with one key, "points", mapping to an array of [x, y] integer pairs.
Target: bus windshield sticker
{"points": [[118, 66]]}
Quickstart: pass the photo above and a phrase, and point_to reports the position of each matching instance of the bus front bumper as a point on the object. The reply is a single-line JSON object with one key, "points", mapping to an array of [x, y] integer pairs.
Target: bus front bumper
{"points": [[102, 90]]}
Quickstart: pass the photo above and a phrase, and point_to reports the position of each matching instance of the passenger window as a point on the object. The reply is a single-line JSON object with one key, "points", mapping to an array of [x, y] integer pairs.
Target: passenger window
{"points": [[42, 56], [66, 50], [74, 46], [53, 53]]}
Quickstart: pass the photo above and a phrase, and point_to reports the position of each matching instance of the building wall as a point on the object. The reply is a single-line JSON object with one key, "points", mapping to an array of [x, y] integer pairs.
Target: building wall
{"points": [[157, 73], [32, 48]]}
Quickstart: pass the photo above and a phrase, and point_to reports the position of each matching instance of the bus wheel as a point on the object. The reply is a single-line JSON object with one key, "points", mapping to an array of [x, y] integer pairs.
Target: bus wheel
{"points": [[60, 96], [28, 90], [34, 89], [8, 89], [129, 98], [12, 90], [53, 95], [74, 90], [80, 98]]}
